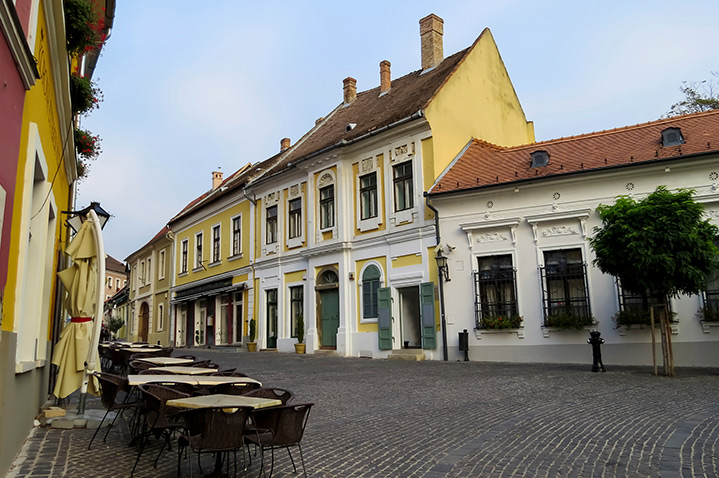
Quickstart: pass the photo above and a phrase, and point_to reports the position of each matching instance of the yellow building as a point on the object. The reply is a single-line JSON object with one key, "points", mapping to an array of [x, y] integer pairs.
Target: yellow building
{"points": [[339, 231]]}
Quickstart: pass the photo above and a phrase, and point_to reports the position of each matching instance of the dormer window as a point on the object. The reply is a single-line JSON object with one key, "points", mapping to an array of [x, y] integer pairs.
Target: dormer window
{"points": [[539, 159], [672, 137]]}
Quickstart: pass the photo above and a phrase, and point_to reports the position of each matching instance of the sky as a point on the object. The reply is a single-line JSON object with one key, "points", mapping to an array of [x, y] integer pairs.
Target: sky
{"points": [[191, 86]]}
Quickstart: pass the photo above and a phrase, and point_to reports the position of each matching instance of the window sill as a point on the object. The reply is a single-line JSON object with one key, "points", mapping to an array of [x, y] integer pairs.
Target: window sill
{"points": [[519, 331], [198, 269], [368, 321], [547, 330], [235, 257], [707, 325], [369, 224], [182, 274], [214, 264], [295, 242], [23, 367], [674, 326]]}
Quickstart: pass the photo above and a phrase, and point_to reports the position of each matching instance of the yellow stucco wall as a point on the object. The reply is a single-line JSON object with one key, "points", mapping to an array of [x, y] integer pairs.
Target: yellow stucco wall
{"points": [[478, 101], [40, 109], [382, 261], [407, 260], [224, 218]]}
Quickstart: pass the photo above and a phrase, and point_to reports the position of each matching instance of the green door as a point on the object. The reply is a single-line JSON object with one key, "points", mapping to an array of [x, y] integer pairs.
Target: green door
{"points": [[429, 330], [330, 316], [384, 318]]}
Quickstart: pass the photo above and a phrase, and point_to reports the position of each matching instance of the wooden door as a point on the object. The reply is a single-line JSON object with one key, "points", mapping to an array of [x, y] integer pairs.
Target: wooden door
{"points": [[144, 322], [330, 316]]}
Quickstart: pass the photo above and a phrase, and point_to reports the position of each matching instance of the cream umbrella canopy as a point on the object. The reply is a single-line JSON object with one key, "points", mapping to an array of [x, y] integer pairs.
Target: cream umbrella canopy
{"points": [[80, 281]]}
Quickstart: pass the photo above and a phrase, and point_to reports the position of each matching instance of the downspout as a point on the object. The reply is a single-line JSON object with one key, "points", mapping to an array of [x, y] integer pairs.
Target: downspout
{"points": [[441, 280], [253, 201]]}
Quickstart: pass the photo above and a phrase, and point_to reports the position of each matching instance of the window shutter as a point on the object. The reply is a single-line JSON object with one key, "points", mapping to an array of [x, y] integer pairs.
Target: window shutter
{"points": [[429, 332], [384, 319]]}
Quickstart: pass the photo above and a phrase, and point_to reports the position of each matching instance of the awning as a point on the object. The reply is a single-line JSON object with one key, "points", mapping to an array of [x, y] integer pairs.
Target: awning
{"points": [[206, 290]]}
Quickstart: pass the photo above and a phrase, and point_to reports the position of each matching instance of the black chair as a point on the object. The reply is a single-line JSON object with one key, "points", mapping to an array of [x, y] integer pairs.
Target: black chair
{"points": [[114, 395], [164, 352], [275, 393], [136, 366], [215, 430], [285, 428], [240, 388], [160, 420], [228, 373]]}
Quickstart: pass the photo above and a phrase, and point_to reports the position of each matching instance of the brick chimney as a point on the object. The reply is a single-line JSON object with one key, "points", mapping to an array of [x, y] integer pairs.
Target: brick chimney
{"points": [[431, 29], [385, 79], [350, 89], [216, 179], [284, 144]]}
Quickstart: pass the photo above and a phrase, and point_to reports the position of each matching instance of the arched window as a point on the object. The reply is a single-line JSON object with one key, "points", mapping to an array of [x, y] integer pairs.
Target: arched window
{"points": [[370, 286], [329, 277]]}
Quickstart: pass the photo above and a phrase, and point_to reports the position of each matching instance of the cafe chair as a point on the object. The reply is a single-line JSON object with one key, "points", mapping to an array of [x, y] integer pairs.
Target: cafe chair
{"points": [[205, 364], [138, 365], [114, 391], [214, 430], [160, 420], [285, 428], [164, 352], [241, 388], [228, 373], [189, 357], [271, 392]]}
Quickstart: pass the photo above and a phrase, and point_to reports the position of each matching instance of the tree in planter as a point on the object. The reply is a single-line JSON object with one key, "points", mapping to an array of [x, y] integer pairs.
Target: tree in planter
{"points": [[253, 330], [300, 329], [114, 324], [659, 246]]}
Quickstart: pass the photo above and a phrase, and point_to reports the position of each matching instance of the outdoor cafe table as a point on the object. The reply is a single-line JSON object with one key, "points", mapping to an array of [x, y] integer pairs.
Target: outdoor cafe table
{"points": [[186, 370], [223, 401], [166, 360], [137, 350], [197, 380]]}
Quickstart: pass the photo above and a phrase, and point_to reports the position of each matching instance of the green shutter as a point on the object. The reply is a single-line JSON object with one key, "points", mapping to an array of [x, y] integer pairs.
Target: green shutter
{"points": [[426, 300], [384, 319]]}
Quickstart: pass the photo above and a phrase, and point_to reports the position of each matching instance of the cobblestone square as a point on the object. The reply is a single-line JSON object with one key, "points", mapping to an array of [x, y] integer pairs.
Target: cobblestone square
{"points": [[381, 418]]}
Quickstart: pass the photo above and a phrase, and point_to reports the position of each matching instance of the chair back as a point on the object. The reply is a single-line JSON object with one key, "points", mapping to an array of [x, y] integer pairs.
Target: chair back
{"points": [[274, 393], [164, 352], [157, 413], [228, 373], [137, 365], [286, 423], [216, 429], [152, 372], [205, 364], [234, 388], [110, 386]]}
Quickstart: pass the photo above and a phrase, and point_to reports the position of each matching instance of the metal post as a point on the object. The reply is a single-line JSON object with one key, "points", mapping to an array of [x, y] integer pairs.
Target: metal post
{"points": [[441, 312]]}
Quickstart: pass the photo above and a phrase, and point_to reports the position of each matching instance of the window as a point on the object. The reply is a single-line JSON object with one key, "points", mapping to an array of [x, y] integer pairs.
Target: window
{"points": [[403, 189], [271, 225], [237, 317], [148, 279], [368, 196], [142, 273], [117, 284], [198, 250], [296, 307], [124, 283], [295, 219], [711, 298], [236, 235], [109, 282], [370, 287], [272, 318], [183, 260], [216, 243], [327, 207], [672, 137], [161, 271], [634, 308], [566, 299], [160, 317], [495, 293], [539, 159]]}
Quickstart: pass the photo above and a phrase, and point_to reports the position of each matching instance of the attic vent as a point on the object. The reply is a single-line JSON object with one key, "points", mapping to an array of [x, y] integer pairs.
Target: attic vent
{"points": [[350, 126], [539, 159], [672, 137]]}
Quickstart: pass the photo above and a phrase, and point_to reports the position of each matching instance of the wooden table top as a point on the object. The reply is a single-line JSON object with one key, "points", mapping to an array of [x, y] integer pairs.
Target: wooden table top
{"points": [[166, 360], [138, 350], [223, 401], [197, 380], [186, 370]]}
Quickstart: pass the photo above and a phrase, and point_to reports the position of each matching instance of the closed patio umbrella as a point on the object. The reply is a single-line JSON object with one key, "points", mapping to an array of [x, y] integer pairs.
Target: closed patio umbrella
{"points": [[80, 281]]}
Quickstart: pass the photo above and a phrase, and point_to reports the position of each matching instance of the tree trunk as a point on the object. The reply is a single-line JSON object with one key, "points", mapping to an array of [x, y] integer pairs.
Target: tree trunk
{"points": [[669, 340], [654, 341]]}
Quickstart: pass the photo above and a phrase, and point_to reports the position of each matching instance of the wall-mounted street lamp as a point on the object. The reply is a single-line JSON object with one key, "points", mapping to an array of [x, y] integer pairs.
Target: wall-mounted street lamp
{"points": [[442, 266], [76, 218]]}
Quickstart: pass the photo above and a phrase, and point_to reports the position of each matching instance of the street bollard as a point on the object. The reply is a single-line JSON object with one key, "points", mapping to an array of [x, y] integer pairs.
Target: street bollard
{"points": [[464, 344], [596, 342]]}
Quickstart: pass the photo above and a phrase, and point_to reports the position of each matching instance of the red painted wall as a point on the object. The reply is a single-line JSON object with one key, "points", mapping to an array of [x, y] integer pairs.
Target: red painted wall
{"points": [[23, 7], [12, 96]]}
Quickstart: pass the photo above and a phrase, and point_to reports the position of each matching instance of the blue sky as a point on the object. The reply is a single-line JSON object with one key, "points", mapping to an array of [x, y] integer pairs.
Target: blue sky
{"points": [[189, 89]]}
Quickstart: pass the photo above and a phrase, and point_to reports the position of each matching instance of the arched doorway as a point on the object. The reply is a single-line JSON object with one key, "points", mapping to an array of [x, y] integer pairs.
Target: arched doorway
{"points": [[144, 322], [328, 303]]}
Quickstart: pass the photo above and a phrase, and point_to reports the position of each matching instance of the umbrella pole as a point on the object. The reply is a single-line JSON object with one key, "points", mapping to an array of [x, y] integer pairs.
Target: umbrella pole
{"points": [[97, 324]]}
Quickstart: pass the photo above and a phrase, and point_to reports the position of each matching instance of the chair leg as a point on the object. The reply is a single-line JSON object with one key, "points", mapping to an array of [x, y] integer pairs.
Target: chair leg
{"points": [[272, 460], [179, 461], [293, 461], [98, 429], [302, 460], [112, 424], [143, 439]]}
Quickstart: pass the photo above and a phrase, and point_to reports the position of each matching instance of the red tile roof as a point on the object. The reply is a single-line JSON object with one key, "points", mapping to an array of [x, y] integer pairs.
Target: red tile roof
{"points": [[486, 165], [112, 264]]}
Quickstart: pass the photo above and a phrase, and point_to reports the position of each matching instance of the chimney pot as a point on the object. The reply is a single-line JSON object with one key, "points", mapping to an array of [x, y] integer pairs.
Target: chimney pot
{"points": [[284, 144], [431, 29], [385, 78], [216, 179], [350, 89]]}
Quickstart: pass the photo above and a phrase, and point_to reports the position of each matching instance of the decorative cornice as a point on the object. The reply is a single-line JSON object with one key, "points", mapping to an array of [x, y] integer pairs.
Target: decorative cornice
{"points": [[17, 44]]}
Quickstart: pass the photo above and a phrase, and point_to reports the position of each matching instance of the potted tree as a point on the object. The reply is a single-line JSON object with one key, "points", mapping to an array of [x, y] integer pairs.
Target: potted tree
{"points": [[300, 332], [252, 345]]}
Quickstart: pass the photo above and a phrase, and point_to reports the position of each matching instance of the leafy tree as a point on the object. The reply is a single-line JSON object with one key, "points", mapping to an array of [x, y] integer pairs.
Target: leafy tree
{"points": [[698, 96], [659, 246]]}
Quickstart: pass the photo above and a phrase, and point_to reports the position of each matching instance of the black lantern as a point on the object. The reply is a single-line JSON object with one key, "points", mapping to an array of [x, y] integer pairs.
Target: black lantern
{"points": [[442, 266], [78, 217]]}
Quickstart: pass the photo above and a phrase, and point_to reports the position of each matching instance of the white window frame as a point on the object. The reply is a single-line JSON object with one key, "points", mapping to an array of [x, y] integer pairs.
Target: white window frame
{"points": [[184, 253], [216, 227], [160, 317], [365, 167], [161, 266], [382, 283], [295, 241], [117, 284], [141, 276], [198, 252], [235, 253]]}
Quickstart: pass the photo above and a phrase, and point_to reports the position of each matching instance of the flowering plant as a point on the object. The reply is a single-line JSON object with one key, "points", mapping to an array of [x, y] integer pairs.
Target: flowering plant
{"points": [[87, 145], [85, 96], [84, 27], [501, 322]]}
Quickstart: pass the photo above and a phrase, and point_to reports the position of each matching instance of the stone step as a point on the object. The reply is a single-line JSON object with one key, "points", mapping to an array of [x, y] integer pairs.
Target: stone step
{"points": [[407, 354]]}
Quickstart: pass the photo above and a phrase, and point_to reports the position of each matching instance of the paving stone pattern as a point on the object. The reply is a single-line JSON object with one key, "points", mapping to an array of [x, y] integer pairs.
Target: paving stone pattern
{"points": [[380, 418]]}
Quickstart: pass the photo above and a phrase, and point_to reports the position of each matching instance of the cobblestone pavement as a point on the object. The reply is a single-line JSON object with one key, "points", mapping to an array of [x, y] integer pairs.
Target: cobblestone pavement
{"points": [[380, 418]]}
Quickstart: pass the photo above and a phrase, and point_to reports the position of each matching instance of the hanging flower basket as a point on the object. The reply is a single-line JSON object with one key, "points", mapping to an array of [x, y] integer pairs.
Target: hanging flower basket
{"points": [[84, 95], [87, 146], [84, 26]]}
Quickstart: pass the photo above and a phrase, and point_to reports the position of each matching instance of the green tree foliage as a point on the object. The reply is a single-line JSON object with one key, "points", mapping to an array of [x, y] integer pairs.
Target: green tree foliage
{"points": [[660, 244], [698, 96]]}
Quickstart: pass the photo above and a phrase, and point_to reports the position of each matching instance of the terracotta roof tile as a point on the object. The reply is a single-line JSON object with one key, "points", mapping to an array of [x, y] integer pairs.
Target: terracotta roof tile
{"points": [[485, 165], [112, 264]]}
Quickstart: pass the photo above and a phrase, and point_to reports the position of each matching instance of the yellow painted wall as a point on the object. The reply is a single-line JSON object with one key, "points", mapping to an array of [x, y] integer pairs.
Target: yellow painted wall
{"points": [[408, 260], [381, 196], [40, 108], [296, 276], [240, 278], [477, 101], [224, 218], [382, 260]]}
